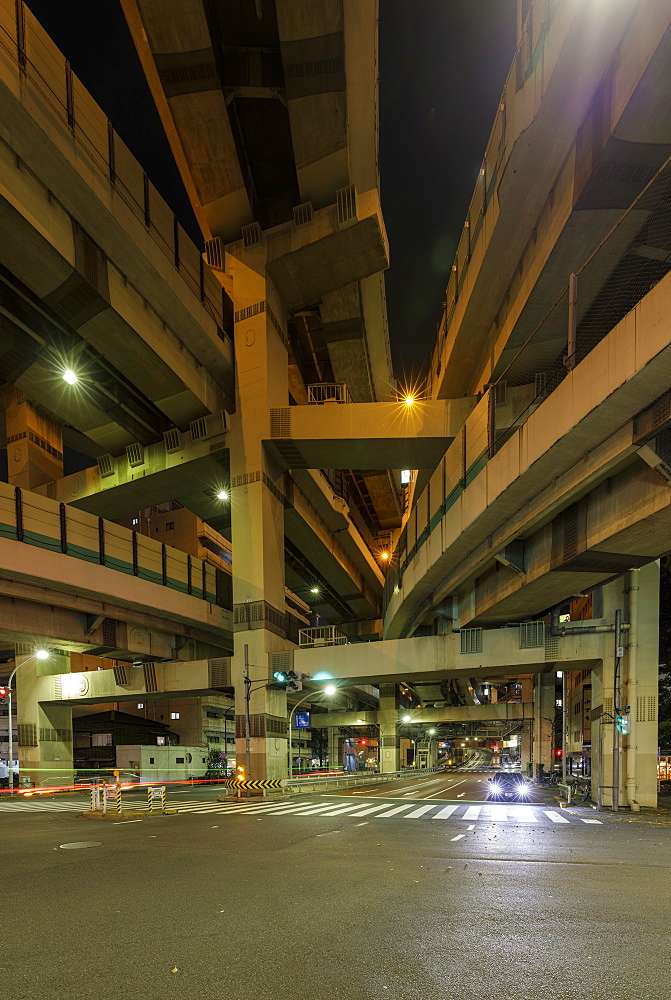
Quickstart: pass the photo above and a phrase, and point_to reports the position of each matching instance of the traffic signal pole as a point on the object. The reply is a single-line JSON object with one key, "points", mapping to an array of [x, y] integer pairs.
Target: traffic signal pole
{"points": [[248, 692]]}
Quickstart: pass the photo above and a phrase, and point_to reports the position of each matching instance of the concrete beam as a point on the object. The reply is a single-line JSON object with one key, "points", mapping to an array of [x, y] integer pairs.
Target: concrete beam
{"points": [[188, 467], [504, 712], [440, 656], [91, 687], [369, 435]]}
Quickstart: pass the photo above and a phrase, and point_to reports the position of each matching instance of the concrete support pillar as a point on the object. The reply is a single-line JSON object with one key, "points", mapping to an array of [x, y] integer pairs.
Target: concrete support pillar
{"points": [[34, 443], [637, 596], [526, 748], [257, 520], [639, 690], [44, 728], [388, 717], [335, 759], [544, 711]]}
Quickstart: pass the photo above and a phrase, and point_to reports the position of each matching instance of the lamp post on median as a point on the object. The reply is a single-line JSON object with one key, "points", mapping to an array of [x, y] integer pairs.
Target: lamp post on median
{"points": [[41, 654]]}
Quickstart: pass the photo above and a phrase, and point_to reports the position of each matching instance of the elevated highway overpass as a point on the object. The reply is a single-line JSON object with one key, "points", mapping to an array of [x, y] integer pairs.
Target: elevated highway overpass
{"points": [[541, 456]]}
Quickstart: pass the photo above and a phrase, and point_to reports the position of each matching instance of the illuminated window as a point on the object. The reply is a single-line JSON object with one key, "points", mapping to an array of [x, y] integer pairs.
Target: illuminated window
{"points": [[406, 475], [140, 704], [174, 715]]}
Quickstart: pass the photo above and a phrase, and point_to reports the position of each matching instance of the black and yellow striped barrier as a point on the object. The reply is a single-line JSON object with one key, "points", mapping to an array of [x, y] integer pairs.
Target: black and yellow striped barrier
{"points": [[252, 783]]}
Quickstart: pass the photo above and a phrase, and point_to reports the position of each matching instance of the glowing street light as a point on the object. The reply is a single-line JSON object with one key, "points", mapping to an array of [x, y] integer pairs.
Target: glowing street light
{"points": [[407, 718], [384, 555], [314, 590], [409, 400], [70, 376], [222, 495]]}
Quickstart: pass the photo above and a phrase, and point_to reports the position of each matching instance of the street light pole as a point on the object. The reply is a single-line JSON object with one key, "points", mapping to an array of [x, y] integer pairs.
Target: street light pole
{"points": [[307, 697], [41, 654]]}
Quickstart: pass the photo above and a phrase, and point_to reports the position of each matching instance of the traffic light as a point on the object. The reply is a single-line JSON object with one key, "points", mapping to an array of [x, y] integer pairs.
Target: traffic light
{"points": [[363, 742], [280, 677], [240, 772], [294, 680], [4, 694], [622, 722], [558, 753]]}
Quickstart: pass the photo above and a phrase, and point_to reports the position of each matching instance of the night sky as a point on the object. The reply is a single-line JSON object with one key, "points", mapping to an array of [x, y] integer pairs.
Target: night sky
{"points": [[443, 64]]}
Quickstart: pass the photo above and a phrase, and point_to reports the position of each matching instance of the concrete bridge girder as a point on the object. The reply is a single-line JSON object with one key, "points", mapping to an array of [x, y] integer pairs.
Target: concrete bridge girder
{"points": [[371, 435], [503, 712], [430, 657], [171, 679]]}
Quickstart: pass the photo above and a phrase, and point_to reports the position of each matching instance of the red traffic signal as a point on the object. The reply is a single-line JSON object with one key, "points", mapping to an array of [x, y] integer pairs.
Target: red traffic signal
{"points": [[557, 753], [363, 742], [4, 691]]}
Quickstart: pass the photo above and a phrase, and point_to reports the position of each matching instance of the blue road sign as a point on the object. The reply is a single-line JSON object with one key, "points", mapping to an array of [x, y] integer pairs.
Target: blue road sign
{"points": [[302, 720]]}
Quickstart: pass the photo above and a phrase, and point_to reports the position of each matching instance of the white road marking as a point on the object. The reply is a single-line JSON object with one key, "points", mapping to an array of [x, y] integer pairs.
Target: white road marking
{"points": [[472, 812], [418, 812], [369, 809], [125, 822], [597, 821], [394, 811], [555, 816], [461, 795], [459, 836], [445, 812], [365, 823], [497, 813], [471, 827], [523, 813]]}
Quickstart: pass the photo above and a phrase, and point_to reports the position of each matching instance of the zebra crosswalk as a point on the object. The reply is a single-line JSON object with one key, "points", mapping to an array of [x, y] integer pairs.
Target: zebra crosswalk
{"points": [[40, 804], [467, 812]]}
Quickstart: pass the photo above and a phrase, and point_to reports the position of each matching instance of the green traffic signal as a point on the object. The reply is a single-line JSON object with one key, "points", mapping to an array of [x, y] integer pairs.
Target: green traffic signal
{"points": [[280, 677]]}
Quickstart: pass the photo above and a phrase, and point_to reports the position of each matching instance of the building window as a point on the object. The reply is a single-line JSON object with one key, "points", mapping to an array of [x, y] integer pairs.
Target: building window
{"points": [[160, 741], [174, 715], [170, 525], [140, 704], [212, 738], [101, 740], [136, 520], [151, 760], [179, 760]]}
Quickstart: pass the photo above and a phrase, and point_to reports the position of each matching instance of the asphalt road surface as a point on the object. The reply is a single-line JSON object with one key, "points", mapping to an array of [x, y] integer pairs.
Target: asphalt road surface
{"points": [[335, 896]]}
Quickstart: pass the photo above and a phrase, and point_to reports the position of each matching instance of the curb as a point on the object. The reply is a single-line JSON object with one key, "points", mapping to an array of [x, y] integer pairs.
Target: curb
{"points": [[128, 815]]}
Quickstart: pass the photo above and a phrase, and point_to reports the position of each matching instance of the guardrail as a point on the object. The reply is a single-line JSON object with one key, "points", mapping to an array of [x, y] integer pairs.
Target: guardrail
{"points": [[299, 785]]}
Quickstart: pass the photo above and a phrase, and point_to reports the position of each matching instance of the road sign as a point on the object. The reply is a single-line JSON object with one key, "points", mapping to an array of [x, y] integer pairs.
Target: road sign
{"points": [[301, 720]]}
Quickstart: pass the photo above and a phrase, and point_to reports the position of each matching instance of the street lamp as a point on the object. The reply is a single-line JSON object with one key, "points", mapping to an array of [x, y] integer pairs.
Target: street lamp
{"points": [[70, 376], [329, 690], [40, 654]]}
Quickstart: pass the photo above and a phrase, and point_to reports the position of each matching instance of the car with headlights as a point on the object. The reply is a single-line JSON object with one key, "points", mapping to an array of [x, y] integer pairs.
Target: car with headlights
{"points": [[508, 787]]}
